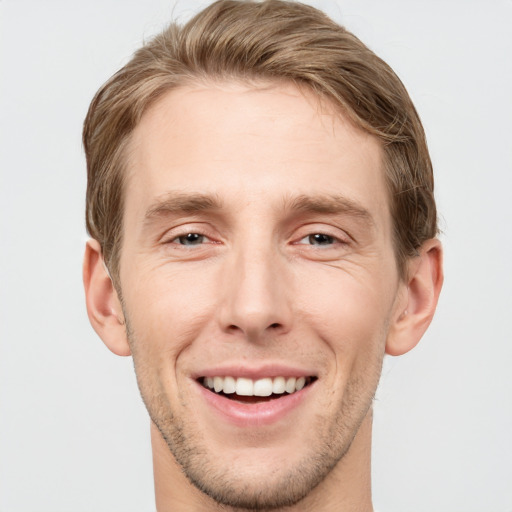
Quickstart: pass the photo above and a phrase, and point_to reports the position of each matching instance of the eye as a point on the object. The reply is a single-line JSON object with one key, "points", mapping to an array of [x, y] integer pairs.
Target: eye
{"points": [[319, 239], [190, 239]]}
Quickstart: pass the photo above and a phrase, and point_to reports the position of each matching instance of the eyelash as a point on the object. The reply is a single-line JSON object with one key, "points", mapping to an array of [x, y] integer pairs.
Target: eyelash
{"points": [[200, 235], [332, 240]]}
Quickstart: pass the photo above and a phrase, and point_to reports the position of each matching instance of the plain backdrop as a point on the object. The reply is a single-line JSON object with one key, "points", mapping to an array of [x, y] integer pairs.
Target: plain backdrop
{"points": [[74, 435]]}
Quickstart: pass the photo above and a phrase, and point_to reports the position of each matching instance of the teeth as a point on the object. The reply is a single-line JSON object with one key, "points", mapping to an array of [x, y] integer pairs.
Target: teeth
{"points": [[279, 385], [290, 385], [301, 382], [244, 387], [218, 384], [261, 387], [229, 385]]}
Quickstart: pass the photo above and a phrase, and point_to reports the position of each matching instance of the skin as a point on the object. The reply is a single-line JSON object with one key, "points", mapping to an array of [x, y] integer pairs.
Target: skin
{"points": [[272, 277]]}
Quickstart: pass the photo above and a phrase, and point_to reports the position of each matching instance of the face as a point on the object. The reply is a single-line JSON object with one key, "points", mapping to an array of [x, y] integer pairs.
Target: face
{"points": [[258, 280]]}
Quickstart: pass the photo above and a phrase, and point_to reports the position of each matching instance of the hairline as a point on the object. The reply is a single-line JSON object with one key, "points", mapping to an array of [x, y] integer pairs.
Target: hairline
{"points": [[322, 100]]}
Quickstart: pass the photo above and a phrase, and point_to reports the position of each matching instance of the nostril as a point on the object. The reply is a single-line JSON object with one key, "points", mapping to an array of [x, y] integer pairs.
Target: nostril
{"points": [[234, 329]]}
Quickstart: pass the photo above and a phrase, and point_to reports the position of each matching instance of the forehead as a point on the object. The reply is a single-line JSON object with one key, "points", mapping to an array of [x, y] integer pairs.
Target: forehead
{"points": [[251, 143]]}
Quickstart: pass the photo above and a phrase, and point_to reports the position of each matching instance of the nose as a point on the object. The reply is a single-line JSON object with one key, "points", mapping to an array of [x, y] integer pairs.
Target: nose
{"points": [[256, 302]]}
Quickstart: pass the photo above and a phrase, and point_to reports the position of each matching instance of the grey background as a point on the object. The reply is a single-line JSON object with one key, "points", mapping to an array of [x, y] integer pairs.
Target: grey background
{"points": [[74, 435]]}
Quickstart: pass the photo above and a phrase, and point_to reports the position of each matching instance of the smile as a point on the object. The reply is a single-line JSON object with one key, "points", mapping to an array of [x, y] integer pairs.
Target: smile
{"points": [[238, 388], [256, 397]]}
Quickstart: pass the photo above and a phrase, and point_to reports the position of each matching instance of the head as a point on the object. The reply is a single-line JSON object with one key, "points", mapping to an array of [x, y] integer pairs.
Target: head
{"points": [[260, 189], [262, 41]]}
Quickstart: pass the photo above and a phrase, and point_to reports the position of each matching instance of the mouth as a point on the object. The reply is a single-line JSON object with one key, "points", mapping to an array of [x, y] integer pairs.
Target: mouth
{"points": [[251, 391]]}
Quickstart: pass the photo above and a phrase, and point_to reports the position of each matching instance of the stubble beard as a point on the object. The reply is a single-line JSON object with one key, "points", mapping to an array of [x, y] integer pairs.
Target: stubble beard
{"points": [[222, 483]]}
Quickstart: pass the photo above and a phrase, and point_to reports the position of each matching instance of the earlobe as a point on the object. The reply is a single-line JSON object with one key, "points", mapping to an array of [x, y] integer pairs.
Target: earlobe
{"points": [[417, 308], [103, 305]]}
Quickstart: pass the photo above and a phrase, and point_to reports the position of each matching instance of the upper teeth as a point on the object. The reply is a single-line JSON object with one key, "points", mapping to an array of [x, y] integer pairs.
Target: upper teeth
{"points": [[261, 387]]}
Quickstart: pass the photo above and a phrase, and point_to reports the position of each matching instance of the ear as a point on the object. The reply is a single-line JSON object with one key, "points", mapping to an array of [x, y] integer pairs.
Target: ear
{"points": [[417, 304], [103, 305]]}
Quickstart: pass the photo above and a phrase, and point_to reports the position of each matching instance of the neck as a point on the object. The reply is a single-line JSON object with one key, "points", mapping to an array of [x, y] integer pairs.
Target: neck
{"points": [[347, 488]]}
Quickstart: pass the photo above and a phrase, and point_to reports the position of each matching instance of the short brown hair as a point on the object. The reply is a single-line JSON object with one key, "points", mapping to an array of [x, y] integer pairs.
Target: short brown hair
{"points": [[269, 40]]}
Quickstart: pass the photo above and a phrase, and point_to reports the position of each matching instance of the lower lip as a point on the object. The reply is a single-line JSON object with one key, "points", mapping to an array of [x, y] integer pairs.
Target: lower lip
{"points": [[256, 414]]}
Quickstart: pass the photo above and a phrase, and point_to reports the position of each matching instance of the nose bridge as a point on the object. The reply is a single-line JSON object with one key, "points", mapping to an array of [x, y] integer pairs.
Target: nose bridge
{"points": [[257, 298]]}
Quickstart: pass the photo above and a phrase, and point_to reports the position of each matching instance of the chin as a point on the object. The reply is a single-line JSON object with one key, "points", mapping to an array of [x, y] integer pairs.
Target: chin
{"points": [[251, 479], [257, 477]]}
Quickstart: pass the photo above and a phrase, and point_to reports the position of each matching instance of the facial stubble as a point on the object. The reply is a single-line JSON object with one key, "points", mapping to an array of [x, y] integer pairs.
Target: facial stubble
{"points": [[223, 483]]}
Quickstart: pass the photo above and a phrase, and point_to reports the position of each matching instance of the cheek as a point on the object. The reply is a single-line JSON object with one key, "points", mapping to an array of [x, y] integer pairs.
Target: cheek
{"points": [[168, 308], [348, 312]]}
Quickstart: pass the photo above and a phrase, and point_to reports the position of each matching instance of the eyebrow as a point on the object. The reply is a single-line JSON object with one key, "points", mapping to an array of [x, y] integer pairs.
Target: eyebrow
{"points": [[329, 204], [182, 203]]}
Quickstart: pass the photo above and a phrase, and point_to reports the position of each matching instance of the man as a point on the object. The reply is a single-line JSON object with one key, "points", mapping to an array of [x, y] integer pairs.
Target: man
{"points": [[260, 201]]}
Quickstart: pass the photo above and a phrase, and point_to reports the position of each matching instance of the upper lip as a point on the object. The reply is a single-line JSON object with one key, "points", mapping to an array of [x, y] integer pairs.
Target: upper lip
{"points": [[255, 372]]}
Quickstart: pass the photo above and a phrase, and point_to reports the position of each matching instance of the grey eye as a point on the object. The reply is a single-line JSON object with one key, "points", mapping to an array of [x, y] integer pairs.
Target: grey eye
{"points": [[191, 239], [320, 239]]}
